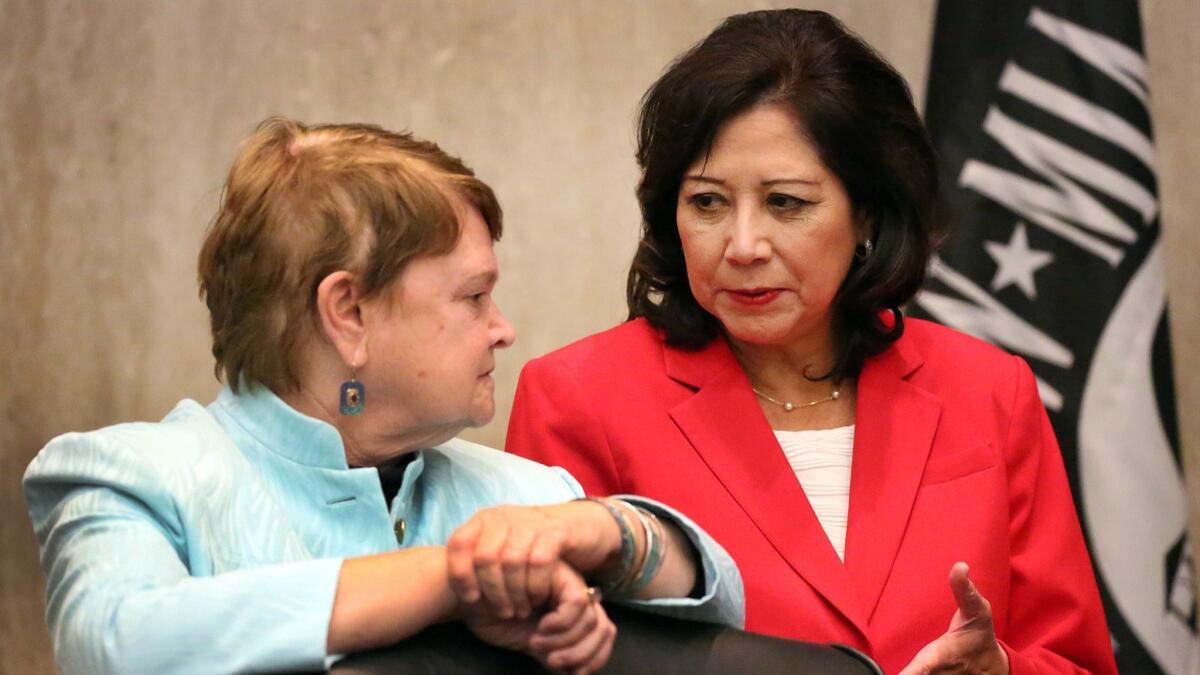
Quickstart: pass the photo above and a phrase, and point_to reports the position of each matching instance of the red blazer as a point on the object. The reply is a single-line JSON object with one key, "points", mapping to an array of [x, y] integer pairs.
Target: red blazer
{"points": [[954, 459]]}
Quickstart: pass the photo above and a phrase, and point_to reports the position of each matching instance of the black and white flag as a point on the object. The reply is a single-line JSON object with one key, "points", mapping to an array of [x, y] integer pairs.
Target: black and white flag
{"points": [[1040, 114]]}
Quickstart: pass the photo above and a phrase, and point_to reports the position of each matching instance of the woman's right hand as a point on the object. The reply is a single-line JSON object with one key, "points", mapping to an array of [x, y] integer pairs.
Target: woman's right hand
{"points": [[970, 644], [574, 635], [507, 555]]}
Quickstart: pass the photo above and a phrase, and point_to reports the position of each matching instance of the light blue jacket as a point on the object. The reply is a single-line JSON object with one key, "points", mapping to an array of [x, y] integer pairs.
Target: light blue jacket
{"points": [[211, 542]]}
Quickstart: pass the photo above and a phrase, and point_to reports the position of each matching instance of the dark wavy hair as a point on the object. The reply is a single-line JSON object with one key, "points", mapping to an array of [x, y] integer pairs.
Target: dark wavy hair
{"points": [[858, 113]]}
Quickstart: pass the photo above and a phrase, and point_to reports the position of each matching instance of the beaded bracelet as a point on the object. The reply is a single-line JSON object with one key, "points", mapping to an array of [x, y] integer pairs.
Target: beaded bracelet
{"points": [[628, 544]]}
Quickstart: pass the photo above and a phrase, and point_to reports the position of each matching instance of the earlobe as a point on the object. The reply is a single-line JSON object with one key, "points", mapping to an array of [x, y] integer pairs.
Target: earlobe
{"points": [[864, 250], [866, 238], [360, 353]]}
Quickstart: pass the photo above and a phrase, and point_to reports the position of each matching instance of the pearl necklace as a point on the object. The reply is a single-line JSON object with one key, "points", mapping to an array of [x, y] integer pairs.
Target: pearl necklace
{"points": [[789, 406]]}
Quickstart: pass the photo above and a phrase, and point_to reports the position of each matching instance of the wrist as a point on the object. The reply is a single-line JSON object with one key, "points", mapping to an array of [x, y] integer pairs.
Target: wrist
{"points": [[594, 536], [630, 569], [614, 536], [1004, 665]]}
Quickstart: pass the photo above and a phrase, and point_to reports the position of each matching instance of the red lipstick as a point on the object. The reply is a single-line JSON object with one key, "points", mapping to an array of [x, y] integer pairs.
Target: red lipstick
{"points": [[754, 296]]}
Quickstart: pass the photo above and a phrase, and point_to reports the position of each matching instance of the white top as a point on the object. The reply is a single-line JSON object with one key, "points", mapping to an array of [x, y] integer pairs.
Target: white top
{"points": [[821, 460]]}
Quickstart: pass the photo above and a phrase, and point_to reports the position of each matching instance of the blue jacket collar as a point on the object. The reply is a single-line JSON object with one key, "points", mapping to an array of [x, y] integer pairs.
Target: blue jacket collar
{"points": [[283, 429]]}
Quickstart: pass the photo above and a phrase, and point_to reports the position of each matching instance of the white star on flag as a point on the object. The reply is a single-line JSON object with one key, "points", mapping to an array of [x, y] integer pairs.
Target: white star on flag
{"points": [[1016, 262]]}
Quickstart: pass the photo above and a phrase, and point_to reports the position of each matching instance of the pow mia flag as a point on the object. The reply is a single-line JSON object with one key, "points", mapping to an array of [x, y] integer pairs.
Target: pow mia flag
{"points": [[1040, 114]]}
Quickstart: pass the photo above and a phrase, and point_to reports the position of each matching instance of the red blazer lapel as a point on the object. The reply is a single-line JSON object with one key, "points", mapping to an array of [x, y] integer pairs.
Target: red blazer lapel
{"points": [[725, 425], [894, 428]]}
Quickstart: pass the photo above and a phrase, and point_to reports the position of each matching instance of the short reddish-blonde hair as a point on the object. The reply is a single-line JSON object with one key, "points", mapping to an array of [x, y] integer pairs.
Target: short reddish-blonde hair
{"points": [[302, 202]]}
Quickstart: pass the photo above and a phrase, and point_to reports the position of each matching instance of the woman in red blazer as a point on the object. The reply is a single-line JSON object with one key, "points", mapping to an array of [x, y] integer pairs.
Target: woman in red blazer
{"points": [[850, 460]]}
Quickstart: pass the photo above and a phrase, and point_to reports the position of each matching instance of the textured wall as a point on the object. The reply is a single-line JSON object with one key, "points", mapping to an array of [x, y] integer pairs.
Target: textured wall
{"points": [[119, 117], [1174, 64]]}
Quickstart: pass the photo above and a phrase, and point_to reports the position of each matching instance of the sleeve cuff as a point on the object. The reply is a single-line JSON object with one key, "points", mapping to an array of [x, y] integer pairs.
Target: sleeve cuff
{"points": [[274, 617]]}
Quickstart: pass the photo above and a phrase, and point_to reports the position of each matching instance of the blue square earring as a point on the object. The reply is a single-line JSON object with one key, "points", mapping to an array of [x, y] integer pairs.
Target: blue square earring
{"points": [[350, 401]]}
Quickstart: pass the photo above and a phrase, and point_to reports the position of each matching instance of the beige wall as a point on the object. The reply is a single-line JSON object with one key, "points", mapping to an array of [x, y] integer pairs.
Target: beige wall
{"points": [[118, 119]]}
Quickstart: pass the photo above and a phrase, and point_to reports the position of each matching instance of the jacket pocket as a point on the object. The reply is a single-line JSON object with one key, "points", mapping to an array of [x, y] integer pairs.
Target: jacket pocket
{"points": [[958, 465]]}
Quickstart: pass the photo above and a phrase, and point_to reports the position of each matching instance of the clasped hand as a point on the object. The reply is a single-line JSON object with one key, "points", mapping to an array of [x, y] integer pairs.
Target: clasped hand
{"points": [[514, 570]]}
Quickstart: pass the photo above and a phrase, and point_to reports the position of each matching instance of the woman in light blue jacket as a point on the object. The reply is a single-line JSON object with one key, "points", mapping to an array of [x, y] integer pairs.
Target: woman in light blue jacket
{"points": [[321, 504]]}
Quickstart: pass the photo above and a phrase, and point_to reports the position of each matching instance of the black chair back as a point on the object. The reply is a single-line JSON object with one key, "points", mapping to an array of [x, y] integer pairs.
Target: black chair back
{"points": [[646, 645]]}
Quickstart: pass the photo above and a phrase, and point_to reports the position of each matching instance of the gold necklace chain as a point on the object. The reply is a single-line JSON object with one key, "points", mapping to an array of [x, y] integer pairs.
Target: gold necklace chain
{"points": [[789, 406]]}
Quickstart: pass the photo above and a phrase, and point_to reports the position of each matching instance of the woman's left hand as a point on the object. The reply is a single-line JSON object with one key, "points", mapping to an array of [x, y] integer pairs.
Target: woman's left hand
{"points": [[970, 645], [506, 555], [575, 634]]}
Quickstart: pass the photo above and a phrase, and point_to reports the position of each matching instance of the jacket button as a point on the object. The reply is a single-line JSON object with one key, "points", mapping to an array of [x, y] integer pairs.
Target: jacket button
{"points": [[398, 527]]}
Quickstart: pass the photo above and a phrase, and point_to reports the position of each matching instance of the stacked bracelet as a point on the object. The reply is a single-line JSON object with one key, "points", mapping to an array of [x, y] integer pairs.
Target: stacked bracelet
{"points": [[654, 554], [629, 578], [628, 544]]}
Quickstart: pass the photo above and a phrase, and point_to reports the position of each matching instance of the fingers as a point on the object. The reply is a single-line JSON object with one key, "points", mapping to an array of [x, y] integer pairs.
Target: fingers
{"points": [[584, 623], [473, 562], [488, 569], [460, 560], [590, 652], [969, 645], [505, 556], [527, 560], [577, 636], [571, 601], [515, 568], [543, 557], [972, 605]]}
